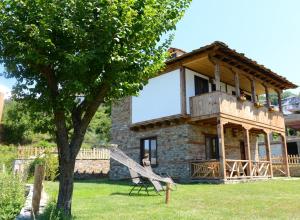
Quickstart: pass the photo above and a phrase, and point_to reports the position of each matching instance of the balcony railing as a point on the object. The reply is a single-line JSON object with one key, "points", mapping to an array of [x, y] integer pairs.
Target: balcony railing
{"points": [[205, 169], [217, 103], [235, 169]]}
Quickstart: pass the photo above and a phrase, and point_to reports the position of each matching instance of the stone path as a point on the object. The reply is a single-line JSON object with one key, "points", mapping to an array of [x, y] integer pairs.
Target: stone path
{"points": [[25, 213]]}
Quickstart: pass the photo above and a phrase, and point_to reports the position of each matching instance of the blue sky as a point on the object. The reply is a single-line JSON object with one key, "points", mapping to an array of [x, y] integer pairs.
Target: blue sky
{"points": [[267, 31]]}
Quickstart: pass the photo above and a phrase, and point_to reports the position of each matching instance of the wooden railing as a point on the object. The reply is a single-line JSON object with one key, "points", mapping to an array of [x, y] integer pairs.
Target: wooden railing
{"points": [[84, 154], [236, 168], [292, 159], [205, 170], [216, 103], [260, 169], [240, 169], [94, 153]]}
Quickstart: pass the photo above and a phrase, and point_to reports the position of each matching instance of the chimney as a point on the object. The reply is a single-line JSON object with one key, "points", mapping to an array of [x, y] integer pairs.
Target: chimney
{"points": [[175, 52]]}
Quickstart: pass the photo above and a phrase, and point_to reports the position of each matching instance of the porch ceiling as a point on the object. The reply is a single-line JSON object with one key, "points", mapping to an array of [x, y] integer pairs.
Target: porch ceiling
{"points": [[204, 66]]}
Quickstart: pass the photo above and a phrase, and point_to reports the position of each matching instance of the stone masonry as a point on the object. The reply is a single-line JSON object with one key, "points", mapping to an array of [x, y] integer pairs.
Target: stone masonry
{"points": [[177, 145]]}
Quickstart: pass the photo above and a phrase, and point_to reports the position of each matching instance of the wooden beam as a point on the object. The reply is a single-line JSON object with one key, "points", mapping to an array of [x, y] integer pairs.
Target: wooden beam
{"points": [[248, 151], [253, 92], [268, 151], [279, 95], [237, 84], [261, 78], [218, 77], [220, 132], [243, 65], [183, 90], [268, 102], [285, 155]]}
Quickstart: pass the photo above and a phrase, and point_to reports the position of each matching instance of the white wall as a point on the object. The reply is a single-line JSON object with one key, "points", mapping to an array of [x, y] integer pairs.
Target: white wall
{"points": [[159, 98], [190, 86], [230, 89]]}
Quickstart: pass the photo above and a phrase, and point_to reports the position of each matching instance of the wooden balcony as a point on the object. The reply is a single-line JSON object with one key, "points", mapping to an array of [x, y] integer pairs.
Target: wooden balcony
{"points": [[220, 104]]}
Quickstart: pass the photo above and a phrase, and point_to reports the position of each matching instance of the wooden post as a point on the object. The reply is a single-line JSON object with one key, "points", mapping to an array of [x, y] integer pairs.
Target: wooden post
{"points": [[267, 97], [285, 155], [39, 173], [168, 193], [218, 77], [220, 132], [268, 152], [183, 91], [279, 95], [237, 84], [248, 151], [254, 99]]}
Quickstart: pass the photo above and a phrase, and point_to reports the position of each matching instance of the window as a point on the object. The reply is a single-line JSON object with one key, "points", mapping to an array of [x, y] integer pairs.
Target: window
{"points": [[213, 87], [149, 146], [201, 85], [211, 147]]}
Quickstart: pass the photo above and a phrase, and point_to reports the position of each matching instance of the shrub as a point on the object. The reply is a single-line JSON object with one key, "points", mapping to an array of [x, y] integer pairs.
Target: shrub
{"points": [[12, 196], [51, 166], [52, 213], [7, 155], [45, 144]]}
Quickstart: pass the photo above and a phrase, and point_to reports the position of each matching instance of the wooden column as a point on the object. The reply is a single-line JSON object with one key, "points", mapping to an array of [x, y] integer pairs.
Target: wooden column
{"points": [[268, 152], [237, 84], [267, 97], [279, 94], [183, 91], [248, 151], [218, 77], [254, 99], [220, 132], [285, 154], [39, 174]]}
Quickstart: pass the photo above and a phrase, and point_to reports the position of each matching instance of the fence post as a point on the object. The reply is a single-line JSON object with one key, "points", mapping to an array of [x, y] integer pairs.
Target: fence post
{"points": [[168, 193], [37, 188]]}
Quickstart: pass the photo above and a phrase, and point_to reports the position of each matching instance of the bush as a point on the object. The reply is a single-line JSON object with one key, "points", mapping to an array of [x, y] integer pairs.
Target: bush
{"points": [[45, 144], [52, 213], [51, 166], [12, 196], [7, 155]]}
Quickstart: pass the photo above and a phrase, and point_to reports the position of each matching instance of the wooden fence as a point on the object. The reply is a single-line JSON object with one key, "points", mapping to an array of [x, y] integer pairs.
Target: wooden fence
{"points": [[84, 154]]}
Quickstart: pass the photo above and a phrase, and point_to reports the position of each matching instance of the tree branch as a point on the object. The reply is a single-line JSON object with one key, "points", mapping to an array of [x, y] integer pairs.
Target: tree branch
{"points": [[81, 123]]}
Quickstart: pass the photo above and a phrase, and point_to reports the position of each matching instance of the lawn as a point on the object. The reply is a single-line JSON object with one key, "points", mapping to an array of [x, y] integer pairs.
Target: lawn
{"points": [[275, 199]]}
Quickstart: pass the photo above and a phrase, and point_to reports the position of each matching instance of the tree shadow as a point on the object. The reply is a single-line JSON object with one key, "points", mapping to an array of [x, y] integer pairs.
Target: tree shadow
{"points": [[106, 181], [152, 194]]}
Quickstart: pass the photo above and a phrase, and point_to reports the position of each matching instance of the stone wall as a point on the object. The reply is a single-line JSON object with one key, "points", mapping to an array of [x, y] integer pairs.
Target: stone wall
{"points": [[89, 168], [83, 168], [295, 170], [177, 145]]}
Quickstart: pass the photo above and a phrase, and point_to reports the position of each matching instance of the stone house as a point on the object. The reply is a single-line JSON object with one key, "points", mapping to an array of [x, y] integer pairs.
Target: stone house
{"points": [[200, 118]]}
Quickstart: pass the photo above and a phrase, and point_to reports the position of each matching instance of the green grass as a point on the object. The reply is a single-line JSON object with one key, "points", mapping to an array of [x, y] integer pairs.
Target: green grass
{"points": [[276, 199]]}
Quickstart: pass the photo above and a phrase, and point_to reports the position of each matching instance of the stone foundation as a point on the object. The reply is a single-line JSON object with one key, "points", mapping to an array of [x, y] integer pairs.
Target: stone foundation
{"points": [[295, 170]]}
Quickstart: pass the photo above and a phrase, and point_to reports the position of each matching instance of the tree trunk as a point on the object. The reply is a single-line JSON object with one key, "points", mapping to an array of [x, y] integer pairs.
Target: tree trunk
{"points": [[66, 183]]}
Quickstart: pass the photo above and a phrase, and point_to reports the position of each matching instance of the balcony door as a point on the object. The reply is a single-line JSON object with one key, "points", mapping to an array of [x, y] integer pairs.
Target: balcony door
{"points": [[201, 85]]}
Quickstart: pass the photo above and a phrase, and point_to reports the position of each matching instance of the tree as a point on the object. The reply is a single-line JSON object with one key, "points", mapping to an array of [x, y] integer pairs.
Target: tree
{"points": [[17, 126], [70, 56]]}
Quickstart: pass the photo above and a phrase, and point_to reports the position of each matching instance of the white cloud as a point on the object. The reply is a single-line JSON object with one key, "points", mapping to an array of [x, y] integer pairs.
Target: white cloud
{"points": [[6, 91]]}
